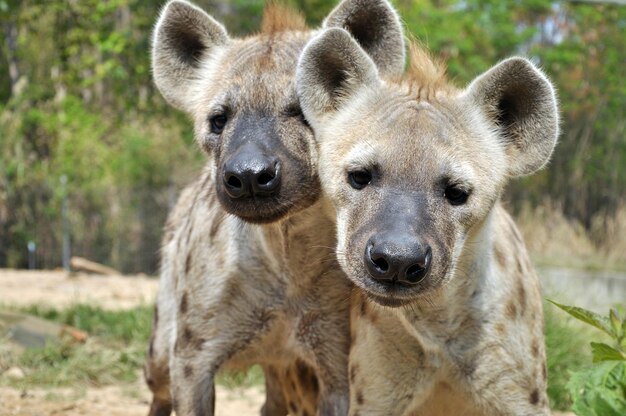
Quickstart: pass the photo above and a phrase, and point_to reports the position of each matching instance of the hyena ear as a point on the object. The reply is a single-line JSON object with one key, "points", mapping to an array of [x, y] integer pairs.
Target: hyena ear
{"points": [[521, 102], [377, 27], [332, 70], [184, 36]]}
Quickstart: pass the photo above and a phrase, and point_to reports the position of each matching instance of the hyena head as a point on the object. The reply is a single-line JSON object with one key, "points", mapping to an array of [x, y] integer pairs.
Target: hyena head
{"points": [[241, 95], [413, 166]]}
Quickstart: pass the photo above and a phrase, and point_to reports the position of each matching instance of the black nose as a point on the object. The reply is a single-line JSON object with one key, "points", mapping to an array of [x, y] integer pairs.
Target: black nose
{"points": [[247, 175], [401, 259]]}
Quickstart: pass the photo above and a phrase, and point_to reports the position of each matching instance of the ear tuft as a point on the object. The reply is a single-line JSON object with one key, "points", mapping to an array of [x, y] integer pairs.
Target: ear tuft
{"points": [[519, 99], [331, 70], [184, 36], [376, 27]]}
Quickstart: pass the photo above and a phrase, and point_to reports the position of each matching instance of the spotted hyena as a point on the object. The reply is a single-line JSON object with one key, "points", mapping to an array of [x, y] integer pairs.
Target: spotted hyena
{"points": [[448, 319], [248, 274]]}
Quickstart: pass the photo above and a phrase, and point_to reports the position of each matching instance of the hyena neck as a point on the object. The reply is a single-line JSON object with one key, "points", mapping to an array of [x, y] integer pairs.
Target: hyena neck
{"points": [[479, 279], [303, 242]]}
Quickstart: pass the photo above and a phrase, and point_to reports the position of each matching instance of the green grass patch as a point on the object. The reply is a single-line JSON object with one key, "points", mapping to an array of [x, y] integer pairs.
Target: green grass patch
{"points": [[114, 352]]}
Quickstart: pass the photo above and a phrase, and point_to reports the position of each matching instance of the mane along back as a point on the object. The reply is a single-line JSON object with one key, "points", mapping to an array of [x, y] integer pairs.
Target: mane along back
{"points": [[426, 75], [279, 17]]}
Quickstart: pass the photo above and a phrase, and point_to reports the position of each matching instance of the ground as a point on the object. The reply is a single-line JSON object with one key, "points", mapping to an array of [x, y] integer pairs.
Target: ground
{"points": [[56, 289]]}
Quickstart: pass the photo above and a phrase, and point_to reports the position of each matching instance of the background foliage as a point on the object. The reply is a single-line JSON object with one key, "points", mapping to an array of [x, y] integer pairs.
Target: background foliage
{"points": [[76, 99]]}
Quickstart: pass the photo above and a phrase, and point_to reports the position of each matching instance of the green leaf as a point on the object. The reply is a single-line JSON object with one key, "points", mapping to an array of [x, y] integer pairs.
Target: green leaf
{"points": [[615, 322], [599, 390], [589, 317], [603, 352]]}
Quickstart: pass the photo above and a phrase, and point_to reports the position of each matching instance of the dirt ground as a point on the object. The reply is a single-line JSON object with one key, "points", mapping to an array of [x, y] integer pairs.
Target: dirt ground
{"points": [[114, 401], [55, 288]]}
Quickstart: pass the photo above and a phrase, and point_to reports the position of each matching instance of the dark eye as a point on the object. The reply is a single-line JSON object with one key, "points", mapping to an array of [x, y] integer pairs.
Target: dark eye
{"points": [[455, 195], [359, 179], [296, 112], [218, 123]]}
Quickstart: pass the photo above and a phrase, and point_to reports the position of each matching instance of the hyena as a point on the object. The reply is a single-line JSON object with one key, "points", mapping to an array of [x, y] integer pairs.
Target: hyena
{"points": [[447, 318], [248, 275]]}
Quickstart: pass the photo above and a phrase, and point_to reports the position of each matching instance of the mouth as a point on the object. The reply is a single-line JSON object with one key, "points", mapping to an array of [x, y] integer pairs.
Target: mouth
{"points": [[257, 210], [389, 301], [392, 294]]}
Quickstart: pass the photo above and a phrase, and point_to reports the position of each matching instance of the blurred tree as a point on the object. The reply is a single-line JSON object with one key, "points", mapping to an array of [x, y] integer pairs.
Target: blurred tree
{"points": [[76, 99]]}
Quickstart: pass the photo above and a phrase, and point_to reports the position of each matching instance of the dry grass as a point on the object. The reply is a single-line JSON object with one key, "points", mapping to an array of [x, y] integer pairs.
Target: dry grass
{"points": [[553, 240]]}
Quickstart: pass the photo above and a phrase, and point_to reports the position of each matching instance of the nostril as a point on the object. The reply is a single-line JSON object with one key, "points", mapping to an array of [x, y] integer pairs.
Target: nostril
{"points": [[414, 270], [234, 182], [381, 264], [265, 178]]}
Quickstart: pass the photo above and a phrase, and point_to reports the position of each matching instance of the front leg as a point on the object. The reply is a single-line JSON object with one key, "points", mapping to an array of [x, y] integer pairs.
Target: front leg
{"points": [[206, 339], [324, 334]]}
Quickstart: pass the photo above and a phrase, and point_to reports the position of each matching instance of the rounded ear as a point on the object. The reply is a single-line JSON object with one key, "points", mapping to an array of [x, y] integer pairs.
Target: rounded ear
{"points": [[332, 69], [519, 99], [376, 27], [184, 36]]}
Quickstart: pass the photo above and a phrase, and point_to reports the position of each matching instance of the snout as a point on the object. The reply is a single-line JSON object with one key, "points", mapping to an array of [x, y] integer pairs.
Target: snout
{"points": [[397, 259], [252, 173]]}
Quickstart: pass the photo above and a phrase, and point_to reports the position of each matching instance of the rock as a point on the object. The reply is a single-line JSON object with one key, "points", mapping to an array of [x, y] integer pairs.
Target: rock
{"points": [[15, 373], [33, 332]]}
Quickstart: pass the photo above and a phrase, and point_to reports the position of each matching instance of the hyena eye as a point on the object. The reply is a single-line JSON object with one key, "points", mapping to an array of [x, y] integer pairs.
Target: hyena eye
{"points": [[218, 123], [455, 195], [359, 179]]}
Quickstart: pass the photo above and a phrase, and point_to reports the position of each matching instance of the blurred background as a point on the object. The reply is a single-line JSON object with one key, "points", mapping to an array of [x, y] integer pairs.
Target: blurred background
{"points": [[92, 159], [89, 149]]}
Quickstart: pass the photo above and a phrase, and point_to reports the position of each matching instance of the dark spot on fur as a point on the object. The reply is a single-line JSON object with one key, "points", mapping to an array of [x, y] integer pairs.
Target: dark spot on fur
{"points": [[353, 371], [500, 257], [305, 413], [359, 397], [520, 268], [363, 307], [468, 367], [511, 309], [183, 303], [500, 329], [187, 335], [314, 384], [521, 293], [534, 397], [535, 348], [151, 347], [215, 225], [188, 371], [292, 407], [544, 371], [188, 263], [198, 342]]}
